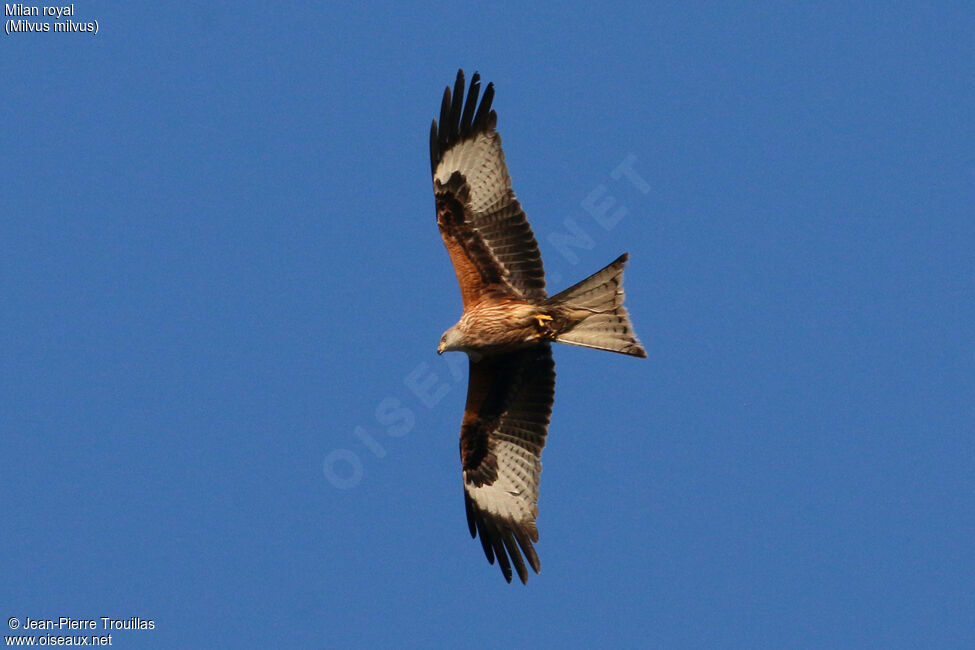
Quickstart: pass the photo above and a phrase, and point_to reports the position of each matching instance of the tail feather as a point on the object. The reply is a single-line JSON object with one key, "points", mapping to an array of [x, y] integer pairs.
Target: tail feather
{"points": [[593, 315]]}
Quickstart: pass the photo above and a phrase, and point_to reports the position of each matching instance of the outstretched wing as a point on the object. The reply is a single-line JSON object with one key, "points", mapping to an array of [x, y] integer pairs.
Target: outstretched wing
{"points": [[509, 401], [483, 226]]}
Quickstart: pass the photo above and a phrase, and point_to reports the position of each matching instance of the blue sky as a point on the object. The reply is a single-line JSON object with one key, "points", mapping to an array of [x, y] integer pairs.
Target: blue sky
{"points": [[220, 279]]}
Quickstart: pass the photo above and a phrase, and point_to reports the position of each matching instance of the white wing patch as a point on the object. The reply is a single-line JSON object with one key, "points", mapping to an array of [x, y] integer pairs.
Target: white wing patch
{"points": [[514, 495], [480, 161]]}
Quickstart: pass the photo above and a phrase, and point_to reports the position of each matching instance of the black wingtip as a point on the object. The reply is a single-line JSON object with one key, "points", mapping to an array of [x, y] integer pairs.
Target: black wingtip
{"points": [[525, 538], [434, 148], [471, 515], [484, 111], [502, 540], [455, 108], [509, 544], [466, 121], [503, 562], [460, 119]]}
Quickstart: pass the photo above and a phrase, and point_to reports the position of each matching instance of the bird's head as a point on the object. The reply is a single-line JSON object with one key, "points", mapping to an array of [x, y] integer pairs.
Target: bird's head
{"points": [[451, 340]]}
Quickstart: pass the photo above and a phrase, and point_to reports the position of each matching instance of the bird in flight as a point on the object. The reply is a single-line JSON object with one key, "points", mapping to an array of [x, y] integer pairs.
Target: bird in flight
{"points": [[507, 326]]}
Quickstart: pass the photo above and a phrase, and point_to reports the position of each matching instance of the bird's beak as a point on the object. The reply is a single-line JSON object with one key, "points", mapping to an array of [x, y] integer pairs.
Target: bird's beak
{"points": [[440, 348]]}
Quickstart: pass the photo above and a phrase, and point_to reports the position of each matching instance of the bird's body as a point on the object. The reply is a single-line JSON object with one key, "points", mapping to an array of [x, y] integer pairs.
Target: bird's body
{"points": [[498, 324], [507, 326]]}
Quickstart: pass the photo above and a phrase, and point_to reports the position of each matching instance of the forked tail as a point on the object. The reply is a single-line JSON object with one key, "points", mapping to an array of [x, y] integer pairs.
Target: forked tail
{"points": [[591, 313]]}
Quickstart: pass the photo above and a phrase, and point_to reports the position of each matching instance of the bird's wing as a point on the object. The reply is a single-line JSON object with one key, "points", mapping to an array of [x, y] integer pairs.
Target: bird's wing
{"points": [[484, 228], [509, 401]]}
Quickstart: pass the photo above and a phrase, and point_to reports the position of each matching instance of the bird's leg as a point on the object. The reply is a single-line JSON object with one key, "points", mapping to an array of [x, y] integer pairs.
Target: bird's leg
{"points": [[545, 330], [542, 318]]}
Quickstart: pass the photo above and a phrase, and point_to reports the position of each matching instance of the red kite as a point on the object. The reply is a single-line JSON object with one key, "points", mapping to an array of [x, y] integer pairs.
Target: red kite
{"points": [[507, 325]]}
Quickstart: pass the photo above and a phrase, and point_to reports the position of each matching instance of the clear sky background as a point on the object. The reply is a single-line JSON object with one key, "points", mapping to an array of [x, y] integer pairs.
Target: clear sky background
{"points": [[222, 287]]}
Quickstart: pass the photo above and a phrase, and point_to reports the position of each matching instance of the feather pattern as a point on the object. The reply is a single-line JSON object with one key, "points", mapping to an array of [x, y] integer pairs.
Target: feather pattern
{"points": [[483, 226], [509, 401]]}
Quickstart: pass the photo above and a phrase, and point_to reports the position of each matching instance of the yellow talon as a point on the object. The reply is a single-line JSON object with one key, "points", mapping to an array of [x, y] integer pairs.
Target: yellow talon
{"points": [[542, 319]]}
